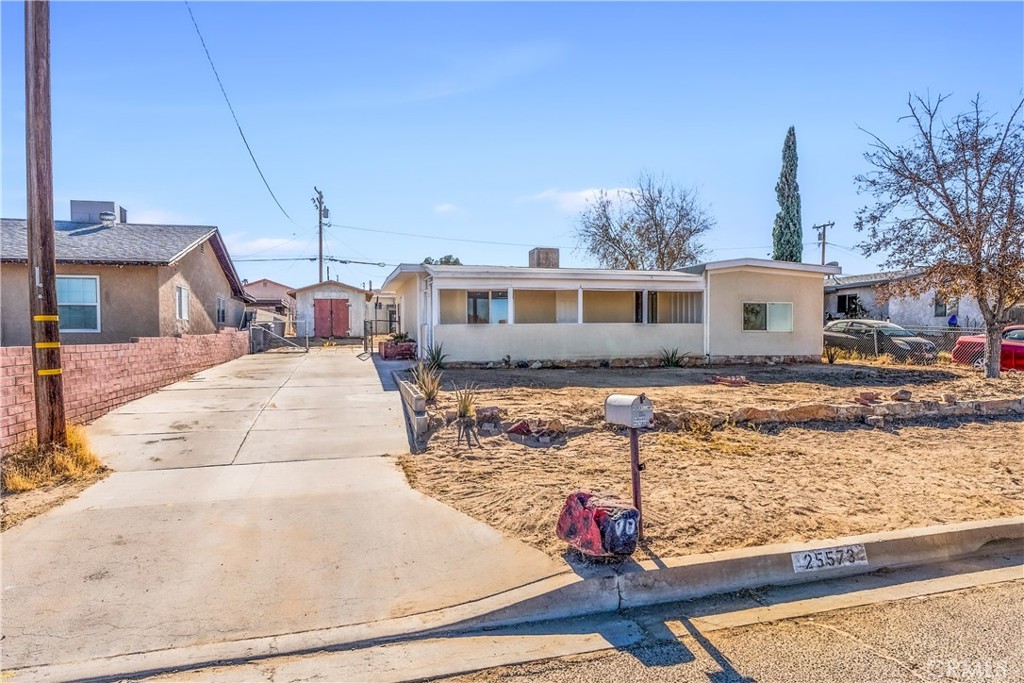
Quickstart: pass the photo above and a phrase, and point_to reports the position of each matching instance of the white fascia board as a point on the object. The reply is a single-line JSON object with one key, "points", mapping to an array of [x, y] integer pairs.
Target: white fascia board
{"points": [[564, 278], [400, 271], [776, 265]]}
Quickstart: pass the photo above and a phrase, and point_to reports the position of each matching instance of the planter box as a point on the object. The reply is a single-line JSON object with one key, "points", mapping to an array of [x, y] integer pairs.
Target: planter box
{"points": [[390, 350]]}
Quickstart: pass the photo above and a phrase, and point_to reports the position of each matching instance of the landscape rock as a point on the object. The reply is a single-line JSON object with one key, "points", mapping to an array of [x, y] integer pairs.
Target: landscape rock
{"points": [[808, 413], [949, 398], [875, 421], [537, 365], [488, 414], [901, 395], [755, 415]]}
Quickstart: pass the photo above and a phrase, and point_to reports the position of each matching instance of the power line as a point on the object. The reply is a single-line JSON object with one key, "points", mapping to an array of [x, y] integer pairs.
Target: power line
{"points": [[380, 264], [234, 116], [443, 239]]}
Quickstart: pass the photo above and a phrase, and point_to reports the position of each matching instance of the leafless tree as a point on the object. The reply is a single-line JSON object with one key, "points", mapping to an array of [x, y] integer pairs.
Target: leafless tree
{"points": [[654, 226], [948, 201]]}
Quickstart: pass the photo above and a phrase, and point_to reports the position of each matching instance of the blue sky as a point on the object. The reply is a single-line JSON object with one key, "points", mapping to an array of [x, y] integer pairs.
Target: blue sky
{"points": [[489, 122]]}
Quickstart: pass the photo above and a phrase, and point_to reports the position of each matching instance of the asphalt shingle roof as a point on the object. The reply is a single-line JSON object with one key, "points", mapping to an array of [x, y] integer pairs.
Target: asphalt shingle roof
{"points": [[844, 281], [124, 243]]}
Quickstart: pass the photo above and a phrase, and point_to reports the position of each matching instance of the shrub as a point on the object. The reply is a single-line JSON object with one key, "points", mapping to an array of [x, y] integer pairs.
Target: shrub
{"points": [[831, 353], [26, 467], [671, 358], [427, 379], [435, 357], [465, 400]]}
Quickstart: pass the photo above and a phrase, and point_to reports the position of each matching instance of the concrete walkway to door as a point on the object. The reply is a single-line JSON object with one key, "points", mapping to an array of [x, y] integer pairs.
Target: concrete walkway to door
{"points": [[255, 499]]}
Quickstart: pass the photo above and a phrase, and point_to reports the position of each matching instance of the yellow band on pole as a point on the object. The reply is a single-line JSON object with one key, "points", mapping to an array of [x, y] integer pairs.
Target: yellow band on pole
{"points": [[45, 318], [51, 371], [47, 345]]}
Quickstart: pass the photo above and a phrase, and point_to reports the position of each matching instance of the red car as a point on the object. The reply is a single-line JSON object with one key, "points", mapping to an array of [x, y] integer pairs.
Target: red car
{"points": [[971, 350]]}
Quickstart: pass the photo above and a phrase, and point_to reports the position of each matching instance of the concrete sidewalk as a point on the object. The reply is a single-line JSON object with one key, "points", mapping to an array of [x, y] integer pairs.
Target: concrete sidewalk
{"points": [[251, 500]]}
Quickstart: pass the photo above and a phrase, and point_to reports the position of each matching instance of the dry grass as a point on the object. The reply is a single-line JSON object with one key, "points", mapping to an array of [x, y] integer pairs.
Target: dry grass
{"points": [[712, 488], [25, 468]]}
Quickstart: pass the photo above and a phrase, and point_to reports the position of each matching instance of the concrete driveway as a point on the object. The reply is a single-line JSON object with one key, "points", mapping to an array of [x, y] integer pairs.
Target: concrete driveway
{"points": [[257, 498]]}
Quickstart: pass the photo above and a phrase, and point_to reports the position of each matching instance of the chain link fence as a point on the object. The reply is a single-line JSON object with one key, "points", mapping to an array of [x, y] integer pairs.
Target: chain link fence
{"points": [[944, 338]]}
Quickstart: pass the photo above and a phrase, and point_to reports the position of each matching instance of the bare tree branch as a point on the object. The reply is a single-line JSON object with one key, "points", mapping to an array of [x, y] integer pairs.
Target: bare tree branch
{"points": [[947, 202]]}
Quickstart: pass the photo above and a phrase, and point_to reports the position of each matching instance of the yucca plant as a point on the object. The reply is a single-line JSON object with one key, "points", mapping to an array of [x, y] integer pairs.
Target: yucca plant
{"points": [[427, 379], [436, 356], [465, 400], [671, 358]]}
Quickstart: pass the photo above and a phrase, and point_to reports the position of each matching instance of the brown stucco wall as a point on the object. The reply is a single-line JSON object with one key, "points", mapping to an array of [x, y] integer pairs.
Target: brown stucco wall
{"points": [[201, 273], [128, 303], [534, 306], [729, 289], [609, 307]]}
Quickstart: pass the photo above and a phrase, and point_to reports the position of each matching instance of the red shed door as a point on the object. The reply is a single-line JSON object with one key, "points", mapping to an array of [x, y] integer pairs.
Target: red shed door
{"points": [[322, 318], [339, 317]]}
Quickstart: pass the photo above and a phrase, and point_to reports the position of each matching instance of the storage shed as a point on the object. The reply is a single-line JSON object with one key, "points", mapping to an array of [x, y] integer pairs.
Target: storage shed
{"points": [[330, 309]]}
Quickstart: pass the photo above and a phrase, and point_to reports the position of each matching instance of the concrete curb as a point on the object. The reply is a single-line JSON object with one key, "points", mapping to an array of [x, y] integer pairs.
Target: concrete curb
{"points": [[568, 595]]}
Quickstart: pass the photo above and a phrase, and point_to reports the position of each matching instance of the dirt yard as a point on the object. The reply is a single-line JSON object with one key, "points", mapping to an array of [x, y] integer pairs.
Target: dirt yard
{"points": [[707, 490]]}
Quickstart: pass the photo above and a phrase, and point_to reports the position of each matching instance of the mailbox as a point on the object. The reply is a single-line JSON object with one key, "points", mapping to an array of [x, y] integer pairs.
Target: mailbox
{"points": [[629, 411]]}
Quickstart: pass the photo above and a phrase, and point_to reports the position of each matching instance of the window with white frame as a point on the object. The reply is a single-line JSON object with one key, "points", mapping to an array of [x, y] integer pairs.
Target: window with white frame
{"points": [[78, 303], [181, 303], [487, 307], [222, 314], [767, 317]]}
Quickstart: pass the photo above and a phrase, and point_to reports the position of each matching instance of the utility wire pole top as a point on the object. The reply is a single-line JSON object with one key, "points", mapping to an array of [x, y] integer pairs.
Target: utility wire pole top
{"points": [[321, 213], [821, 236]]}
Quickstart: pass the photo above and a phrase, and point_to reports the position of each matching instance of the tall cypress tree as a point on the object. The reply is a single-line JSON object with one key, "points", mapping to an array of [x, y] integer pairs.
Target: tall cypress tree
{"points": [[787, 235]]}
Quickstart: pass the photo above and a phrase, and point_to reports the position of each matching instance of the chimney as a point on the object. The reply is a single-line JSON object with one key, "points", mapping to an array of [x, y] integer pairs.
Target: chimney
{"points": [[84, 211], [544, 257]]}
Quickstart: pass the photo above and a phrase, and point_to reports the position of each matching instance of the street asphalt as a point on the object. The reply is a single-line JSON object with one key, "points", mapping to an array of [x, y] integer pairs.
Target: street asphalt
{"points": [[971, 635], [252, 500]]}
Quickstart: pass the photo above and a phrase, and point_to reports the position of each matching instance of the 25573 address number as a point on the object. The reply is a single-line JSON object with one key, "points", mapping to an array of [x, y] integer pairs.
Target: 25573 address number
{"points": [[829, 558]]}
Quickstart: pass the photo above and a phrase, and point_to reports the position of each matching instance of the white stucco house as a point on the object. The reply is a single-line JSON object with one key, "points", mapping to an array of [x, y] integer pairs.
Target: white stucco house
{"points": [[743, 308], [853, 296]]}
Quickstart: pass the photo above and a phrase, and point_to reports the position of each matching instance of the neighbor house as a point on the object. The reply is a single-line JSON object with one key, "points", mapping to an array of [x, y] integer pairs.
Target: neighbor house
{"points": [[738, 309], [118, 280], [272, 297], [330, 309], [863, 296]]}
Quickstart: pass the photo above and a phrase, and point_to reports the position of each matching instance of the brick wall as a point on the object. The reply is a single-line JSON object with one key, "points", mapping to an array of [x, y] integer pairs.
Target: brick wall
{"points": [[100, 377]]}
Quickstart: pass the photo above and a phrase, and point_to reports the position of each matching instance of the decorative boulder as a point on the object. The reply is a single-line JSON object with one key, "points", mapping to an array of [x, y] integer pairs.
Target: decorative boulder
{"points": [[599, 525]]}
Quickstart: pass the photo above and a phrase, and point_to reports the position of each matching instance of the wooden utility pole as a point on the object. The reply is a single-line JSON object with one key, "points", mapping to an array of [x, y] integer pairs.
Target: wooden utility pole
{"points": [[821, 237], [51, 428], [318, 202]]}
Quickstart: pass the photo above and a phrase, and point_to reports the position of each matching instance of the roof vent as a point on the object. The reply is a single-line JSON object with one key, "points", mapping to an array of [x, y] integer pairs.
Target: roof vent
{"points": [[107, 217], [83, 211]]}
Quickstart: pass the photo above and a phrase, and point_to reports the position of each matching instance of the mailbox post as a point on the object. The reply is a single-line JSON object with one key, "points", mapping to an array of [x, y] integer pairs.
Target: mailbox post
{"points": [[634, 413]]}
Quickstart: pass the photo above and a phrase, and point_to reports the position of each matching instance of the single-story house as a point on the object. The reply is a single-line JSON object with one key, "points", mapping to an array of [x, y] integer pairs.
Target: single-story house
{"points": [[861, 296], [742, 308], [117, 280], [272, 297], [330, 309]]}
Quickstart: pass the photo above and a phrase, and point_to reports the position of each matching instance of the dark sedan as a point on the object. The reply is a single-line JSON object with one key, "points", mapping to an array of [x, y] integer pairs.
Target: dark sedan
{"points": [[874, 337]]}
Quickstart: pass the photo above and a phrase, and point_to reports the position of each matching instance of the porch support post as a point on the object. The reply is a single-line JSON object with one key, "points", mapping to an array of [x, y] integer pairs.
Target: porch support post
{"points": [[644, 318], [435, 306], [579, 306], [511, 308]]}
